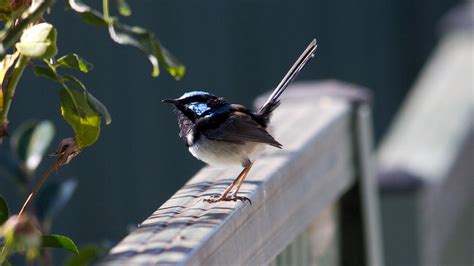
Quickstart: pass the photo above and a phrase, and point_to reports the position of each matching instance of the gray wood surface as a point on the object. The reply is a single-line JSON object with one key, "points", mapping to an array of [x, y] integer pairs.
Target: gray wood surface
{"points": [[437, 117], [368, 185], [360, 236], [318, 245], [288, 189], [426, 160]]}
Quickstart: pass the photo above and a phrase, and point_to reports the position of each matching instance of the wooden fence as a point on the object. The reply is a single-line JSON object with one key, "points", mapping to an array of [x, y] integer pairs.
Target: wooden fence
{"points": [[426, 160], [322, 179]]}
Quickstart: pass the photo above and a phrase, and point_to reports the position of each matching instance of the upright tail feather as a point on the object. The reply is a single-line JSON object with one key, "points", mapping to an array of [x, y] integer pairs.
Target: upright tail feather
{"points": [[272, 101]]}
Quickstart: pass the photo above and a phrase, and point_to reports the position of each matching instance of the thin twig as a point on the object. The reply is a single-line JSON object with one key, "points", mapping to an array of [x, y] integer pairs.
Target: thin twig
{"points": [[66, 151], [105, 7], [38, 185]]}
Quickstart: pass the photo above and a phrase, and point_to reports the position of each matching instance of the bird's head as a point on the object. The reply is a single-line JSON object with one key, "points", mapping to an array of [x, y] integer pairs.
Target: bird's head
{"points": [[197, 104]]}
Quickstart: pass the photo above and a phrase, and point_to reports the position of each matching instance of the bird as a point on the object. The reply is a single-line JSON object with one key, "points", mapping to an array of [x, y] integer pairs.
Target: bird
{"points": [[225, 134]]}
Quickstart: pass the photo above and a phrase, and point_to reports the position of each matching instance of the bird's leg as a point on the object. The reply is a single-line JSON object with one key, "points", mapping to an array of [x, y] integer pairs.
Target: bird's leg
{"points": [[223, 196], [242, 178], [229, 188]]}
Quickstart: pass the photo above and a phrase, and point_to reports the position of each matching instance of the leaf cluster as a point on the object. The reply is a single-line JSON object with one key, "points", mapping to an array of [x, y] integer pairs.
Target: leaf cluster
{"points": [[28, 146], [138, 37], [79, 107]]}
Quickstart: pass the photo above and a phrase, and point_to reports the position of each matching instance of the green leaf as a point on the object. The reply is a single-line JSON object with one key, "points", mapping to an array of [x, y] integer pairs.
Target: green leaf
{"points": [[59, 241], [31, 141], [147, 42], [94, 103], [3, 211], [87, 14], [75, 81], [87, 255], [45, 72], [74, 61], [172, 65], [52, 198], [123, 8], [80, 115], [99, 108], [38, 41]]}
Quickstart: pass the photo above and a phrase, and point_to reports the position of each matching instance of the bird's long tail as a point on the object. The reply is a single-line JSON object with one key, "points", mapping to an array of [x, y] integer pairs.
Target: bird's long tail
{"points": [[272, 101]]}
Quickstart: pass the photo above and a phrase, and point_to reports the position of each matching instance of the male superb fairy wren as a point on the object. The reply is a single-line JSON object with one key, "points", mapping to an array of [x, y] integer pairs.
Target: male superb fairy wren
{"points": [[221, 133]]}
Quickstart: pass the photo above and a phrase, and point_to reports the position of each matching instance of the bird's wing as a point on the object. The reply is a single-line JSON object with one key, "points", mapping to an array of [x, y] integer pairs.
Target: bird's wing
{"points": [[238, 128]]}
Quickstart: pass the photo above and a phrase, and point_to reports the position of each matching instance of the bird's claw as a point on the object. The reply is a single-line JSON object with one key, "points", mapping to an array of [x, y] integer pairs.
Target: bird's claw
{"points": [[217, 198]]}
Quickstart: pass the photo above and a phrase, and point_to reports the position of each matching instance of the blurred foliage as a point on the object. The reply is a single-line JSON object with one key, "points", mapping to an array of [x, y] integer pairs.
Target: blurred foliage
{"points": [[29, 143], [27, 233], [134, 36], [38, 42], [59, 241], [86, 256], [28, 40]]}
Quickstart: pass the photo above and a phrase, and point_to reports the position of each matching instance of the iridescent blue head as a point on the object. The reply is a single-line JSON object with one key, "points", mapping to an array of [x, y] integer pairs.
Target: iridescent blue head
{"points": [[197, 104]]}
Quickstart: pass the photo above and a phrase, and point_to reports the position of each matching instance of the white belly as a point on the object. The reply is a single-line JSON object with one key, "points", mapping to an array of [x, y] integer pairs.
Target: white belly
{"points": [[222, 153]]}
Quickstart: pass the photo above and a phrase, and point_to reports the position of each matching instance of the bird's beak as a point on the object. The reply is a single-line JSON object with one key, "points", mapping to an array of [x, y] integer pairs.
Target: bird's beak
{"points": [[173, 101]]}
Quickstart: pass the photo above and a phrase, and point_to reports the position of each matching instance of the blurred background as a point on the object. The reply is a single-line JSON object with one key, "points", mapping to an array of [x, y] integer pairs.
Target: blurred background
{"points": [[236, 49]]}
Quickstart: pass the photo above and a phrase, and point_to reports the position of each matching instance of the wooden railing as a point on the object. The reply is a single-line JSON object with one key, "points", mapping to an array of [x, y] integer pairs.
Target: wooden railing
{"points": [[426, 162], [322, 176]]}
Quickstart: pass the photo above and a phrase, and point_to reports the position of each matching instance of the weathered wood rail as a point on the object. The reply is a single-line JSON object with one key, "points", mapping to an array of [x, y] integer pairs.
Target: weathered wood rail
{"points": [[426, 161], [326, 161]]}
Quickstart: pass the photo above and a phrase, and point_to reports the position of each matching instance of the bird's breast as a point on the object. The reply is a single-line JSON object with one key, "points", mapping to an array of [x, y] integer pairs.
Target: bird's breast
{"points": [[190, 138], [222, 153]]}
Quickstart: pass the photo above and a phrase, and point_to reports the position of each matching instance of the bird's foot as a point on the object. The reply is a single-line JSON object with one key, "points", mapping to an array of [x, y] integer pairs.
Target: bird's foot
{"points": [[232, 197]]}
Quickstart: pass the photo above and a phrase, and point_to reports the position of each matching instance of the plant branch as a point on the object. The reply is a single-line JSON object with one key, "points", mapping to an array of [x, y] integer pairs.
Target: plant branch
{"points": [[38, 185], [105, 7], [12, 35], [66, 151]]}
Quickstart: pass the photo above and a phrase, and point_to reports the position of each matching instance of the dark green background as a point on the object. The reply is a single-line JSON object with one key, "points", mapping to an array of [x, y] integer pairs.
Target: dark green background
{"points": [[236, 49]]}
